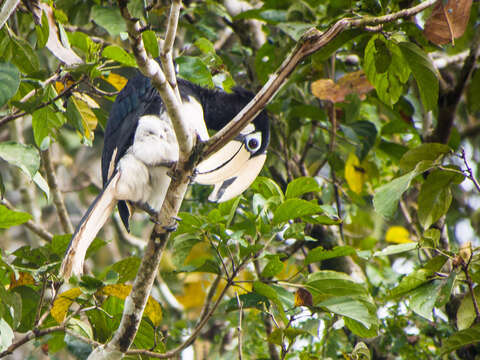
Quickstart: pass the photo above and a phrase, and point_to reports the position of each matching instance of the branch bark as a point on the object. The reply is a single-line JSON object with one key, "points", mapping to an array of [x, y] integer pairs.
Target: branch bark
{"points": [[57, 196]]}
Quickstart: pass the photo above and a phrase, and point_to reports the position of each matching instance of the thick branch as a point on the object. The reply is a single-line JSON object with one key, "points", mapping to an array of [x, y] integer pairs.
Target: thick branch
{"points": [[167, 49], [151, 69]]}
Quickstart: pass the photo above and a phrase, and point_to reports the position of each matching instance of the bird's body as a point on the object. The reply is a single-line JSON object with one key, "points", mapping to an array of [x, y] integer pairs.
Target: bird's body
{"points": [[140, 149]]}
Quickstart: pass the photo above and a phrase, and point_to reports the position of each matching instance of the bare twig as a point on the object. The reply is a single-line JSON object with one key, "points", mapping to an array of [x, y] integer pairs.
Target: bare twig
{"points": [[56, 194], [469, 171], [167, 49], [239, 327]]}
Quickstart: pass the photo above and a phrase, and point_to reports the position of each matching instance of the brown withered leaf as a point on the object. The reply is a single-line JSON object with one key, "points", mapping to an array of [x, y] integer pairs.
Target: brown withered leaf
{"points": [[23, 279], [447, 23], [303, 298], [354, 82]]}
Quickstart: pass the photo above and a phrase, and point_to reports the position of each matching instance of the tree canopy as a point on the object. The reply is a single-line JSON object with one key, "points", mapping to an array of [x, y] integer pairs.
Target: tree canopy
{"points": [[358, 240]]}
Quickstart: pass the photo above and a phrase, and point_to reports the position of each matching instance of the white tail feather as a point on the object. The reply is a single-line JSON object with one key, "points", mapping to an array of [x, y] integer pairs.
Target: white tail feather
{"points": [[87, 230]]}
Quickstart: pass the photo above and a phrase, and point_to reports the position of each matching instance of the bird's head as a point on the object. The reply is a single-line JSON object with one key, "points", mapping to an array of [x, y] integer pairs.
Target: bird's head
{"points": [[234, 167]]}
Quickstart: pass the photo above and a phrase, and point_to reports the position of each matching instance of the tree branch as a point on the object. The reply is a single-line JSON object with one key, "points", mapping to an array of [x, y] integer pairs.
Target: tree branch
{"points": [[57, 196], [449, 101], [167, 49], [7, 9]]}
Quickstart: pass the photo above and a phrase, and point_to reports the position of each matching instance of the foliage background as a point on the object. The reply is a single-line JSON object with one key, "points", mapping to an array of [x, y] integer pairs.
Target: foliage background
{"points": [[359, 240]]}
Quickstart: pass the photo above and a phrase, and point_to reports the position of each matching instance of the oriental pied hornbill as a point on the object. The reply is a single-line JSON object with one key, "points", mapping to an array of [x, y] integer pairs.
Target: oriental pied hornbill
{"points": [[140, 147]]}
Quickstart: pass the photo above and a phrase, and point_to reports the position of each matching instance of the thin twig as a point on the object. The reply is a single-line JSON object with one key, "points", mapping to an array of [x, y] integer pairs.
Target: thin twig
{"points": [[470, 283], [239, 327], [469, 170], [56, 194], [16, 115]]}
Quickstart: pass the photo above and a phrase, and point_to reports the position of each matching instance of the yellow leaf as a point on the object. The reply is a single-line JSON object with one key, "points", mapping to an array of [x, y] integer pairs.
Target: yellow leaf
{"points": [[199, 252], [152, 310], [398, 235], [63, 302], [354, 173], [23, 279], [116, 80], [89, 119], [194, 294]]}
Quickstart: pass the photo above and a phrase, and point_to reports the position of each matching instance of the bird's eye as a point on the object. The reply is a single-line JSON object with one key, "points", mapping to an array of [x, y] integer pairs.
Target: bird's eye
{"points": [[253, 141]]}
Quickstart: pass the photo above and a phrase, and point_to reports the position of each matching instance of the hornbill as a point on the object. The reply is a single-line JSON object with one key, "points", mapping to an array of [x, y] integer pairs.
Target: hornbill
{"points": [[140, 149]]}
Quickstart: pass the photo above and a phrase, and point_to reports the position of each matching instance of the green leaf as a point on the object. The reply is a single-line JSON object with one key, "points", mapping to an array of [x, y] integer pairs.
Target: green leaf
{"points": [[108, 18], [45, 122], [116, 53], [325, 284], [23, 56], [418, 277], [425, 152], [387, 196], [267, 188], [9, 81], [126, 268], [466, 311], [26, 157], [360, 330], [386, 68], [29, 303], [423, 299], [9, 218], [293, 209], [319, 254], [273, 267], [205, 45], [383, 56], [11, 302], [6, 333], [42, 30], [436, 196], [461, 339], [301, 186], [424, 73], [270, 293], [194, 69], [151, 43], [396, 249], [352, 308], [249, 300], [294, 29]]}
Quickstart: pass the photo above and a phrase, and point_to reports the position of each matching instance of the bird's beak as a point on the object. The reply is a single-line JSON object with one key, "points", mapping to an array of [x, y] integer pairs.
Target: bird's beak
{"points": [[232, 169]]}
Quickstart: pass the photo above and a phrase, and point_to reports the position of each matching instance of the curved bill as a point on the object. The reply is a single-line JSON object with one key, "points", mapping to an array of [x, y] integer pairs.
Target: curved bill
{"points": [[223, 164], [227, 189]]}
